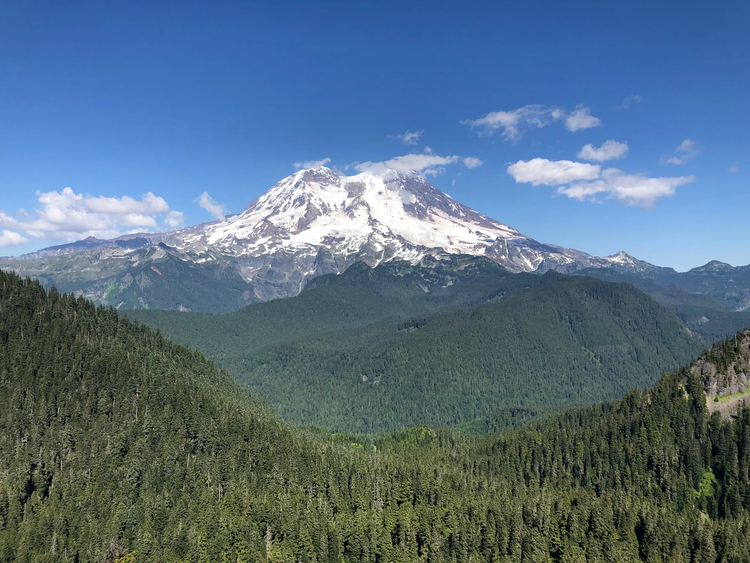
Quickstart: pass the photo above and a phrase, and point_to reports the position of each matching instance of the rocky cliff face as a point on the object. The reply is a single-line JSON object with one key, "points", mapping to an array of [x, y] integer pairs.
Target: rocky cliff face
{"points": [[724, 371]]}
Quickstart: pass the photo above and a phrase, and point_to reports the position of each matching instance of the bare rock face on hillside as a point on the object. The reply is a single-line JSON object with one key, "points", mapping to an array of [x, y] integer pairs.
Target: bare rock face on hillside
{"points": [[724, 371]]}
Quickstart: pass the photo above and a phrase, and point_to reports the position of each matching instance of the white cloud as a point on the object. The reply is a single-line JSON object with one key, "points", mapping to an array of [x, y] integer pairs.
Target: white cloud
{"points": [[552, 172], [149, 204], [138, 220], [410, 137], [735, 168], [514, 122], [610, 150], [312, 163], [11, 238], [581, 118], [218, 210], [427, 164], [630, 100], [588, 181], [174, 219], [685, 151], [630, 189], [67, 215]]}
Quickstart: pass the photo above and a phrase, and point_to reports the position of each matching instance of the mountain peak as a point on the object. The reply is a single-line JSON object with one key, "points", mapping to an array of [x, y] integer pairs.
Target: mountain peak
{"points": [[318, 221], [621, 256], [713, 266], [313, 174], [382, 171], [391, 213], [378, 170]]}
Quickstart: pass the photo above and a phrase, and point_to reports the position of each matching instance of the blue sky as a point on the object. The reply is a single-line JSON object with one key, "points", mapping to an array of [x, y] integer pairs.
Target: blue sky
{"points": [[178, 99]]}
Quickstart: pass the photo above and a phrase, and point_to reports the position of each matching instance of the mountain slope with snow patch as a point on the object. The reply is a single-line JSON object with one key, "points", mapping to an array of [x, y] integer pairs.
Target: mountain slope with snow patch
{"points": [[311, 223]]}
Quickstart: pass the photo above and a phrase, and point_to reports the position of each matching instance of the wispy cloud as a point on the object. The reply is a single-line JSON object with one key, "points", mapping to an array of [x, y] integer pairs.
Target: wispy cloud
{"points": [[174, 219], [67, 215], [218, 210], [686, 150], [629, 101], [472, 162], [588, 181], [311, 163], [610, 150], [409, 138], [427, 164], [11, 238], [581, 118], [735, 168], [514, 123]]}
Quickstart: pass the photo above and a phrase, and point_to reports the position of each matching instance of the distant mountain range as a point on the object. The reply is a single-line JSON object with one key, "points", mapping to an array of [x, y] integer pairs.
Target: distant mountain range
{"points": [[727, 284], [318, 222]]}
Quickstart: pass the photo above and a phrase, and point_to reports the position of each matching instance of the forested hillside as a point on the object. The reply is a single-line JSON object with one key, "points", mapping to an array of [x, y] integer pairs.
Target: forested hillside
{"points": [[116, 445], [359, 296], [387, 348], [713, 300], [149, 278]]}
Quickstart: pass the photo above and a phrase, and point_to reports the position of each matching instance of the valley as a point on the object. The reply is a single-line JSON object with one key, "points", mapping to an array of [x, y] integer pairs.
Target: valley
{"points": [[398, 345], [421, 404], [117, 445]]}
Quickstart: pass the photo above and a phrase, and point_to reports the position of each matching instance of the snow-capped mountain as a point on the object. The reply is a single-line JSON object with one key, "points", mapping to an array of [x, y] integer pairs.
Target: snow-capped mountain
{"points": [[373, 217], [392, 213], [316, 222]]}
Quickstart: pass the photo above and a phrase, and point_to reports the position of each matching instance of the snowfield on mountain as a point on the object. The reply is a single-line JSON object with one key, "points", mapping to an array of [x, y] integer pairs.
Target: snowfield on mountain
{"points": [[313, 222]]}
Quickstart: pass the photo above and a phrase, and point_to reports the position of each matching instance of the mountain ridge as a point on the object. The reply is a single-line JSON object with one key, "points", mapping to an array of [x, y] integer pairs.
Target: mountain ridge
{"points": [[311, 223]]}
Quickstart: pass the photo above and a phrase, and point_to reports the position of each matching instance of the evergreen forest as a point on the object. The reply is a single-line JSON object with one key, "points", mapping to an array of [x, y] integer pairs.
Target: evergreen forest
{"points": [[117, 445], [457, 342]]}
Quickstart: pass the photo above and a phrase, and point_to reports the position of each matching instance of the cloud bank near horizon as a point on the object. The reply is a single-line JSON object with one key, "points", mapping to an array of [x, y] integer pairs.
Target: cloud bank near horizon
{"points": [[67, 216]]}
